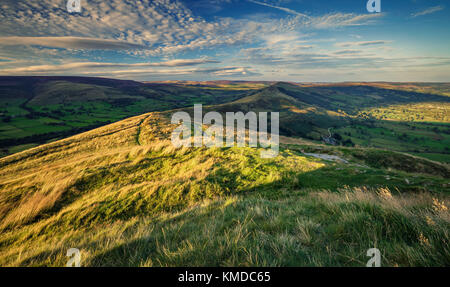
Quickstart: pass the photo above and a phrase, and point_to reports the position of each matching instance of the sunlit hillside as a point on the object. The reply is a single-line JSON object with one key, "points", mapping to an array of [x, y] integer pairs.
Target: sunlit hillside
{"points": [[125, 197]]}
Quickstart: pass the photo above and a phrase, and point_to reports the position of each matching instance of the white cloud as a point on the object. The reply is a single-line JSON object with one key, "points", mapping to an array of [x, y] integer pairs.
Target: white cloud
{"points": [[209, 72], [154, 23], [336, 20], [427, 11], [84, 66], [69, 43], [168, 69], [162, 26], [348, 52], [274, 39], [362, 43], [287, 10], [48, 40]]}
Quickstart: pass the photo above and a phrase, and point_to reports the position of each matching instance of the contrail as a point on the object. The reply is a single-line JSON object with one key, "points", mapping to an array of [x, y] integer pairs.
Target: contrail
{"points": [[287, 10]]}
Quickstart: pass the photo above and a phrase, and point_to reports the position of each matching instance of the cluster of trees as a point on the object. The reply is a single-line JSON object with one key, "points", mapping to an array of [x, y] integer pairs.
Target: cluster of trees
{"points": [[341, 141]]}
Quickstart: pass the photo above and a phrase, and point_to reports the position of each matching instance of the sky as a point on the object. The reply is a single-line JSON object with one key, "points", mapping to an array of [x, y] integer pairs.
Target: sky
{"points": [[273, 40]]}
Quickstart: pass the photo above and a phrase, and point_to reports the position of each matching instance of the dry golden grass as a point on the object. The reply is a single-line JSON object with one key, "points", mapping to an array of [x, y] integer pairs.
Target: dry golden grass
{"points": [[125, 196], [254, 231], [34, 180]]}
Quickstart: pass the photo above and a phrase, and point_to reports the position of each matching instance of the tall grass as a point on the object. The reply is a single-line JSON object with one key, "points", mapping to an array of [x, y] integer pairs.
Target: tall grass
{"points": [[124, 196], [302, 228]]}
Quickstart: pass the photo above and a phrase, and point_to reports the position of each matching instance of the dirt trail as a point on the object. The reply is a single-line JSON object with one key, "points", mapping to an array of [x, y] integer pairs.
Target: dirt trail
{"points": [[327, 157], [138, 133]]}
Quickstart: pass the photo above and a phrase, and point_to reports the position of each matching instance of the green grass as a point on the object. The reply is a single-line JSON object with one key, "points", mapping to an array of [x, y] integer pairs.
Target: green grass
{"points": [[124, 202], [56, 109], [73, 106], [423, 112], [414, 138], [125, 197], [300, 228], [435, 156]]}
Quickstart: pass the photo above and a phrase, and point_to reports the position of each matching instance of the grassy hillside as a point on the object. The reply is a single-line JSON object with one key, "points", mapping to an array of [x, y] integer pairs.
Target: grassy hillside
{"points": [[376, 115], [406, 117], [419, 129], [35, 110], [124, 196], [352, 97], [297, 118]]}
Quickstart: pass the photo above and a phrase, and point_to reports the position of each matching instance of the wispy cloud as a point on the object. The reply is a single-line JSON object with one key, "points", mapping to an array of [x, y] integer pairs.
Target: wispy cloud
{"points": [[336, 20], [219, 71], [40, 69], [70, 43], [427, 11], [362, 43], [151, 27], [41, 38], [348, 52], [287, 10], [331, 20], [144, 73]]}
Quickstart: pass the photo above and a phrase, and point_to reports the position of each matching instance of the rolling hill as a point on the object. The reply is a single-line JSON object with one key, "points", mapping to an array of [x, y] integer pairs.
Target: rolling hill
{"points": [[357, 115], [410, 117], [124, 196], [36, 110]]}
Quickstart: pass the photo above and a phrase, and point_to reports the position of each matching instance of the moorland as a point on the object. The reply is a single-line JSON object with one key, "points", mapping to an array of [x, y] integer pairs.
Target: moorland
{"points": [[88, 164]]}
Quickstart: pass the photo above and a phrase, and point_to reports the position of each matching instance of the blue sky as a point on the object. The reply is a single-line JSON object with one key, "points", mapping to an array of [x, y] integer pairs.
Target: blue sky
{"points": [[279, 40]]}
